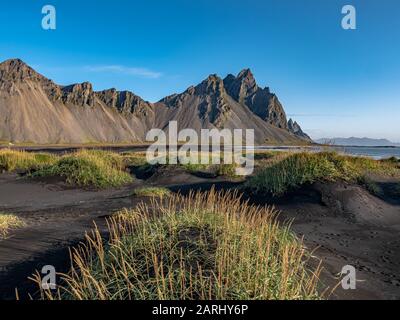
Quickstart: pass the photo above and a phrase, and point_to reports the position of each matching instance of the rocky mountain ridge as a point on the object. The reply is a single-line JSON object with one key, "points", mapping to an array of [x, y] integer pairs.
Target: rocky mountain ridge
{"points": [[37, 110]]}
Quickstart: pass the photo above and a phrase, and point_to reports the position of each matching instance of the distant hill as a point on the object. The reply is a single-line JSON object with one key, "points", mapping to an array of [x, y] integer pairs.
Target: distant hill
{"points": [[362, 142], [35, 109]]}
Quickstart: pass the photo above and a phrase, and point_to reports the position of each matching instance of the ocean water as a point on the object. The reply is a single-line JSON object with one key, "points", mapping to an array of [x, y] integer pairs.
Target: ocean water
{"points": [[373, 152]]}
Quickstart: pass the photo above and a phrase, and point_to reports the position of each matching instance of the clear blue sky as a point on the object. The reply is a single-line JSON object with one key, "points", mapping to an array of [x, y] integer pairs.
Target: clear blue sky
{"points": [[334, 82]]}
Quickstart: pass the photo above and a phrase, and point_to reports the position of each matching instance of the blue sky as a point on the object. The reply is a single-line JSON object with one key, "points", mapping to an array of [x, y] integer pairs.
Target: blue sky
{"points": [[334, 82]]}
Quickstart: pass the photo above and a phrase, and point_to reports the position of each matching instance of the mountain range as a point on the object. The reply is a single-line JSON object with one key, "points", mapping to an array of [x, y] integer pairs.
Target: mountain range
{"points": [[34, 109], [360, 142]]}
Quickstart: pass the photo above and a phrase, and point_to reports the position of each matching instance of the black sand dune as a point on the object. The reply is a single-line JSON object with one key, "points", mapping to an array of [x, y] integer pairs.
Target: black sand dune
{"points": [[344, 223]]}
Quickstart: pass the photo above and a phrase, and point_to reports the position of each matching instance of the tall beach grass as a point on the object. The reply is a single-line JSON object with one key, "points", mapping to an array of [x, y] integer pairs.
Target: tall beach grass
{"points": [[306, 167], [204, 246], [94, 168], [9, 222], [13, 160]]}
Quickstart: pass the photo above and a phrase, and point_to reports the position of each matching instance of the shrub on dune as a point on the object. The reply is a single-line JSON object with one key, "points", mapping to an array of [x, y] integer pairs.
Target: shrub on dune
{"points": [[204, 246], [195, 167], [84, 168], [228, 170], [12, 160], [291, 172], [135, 159], [9, 222], [152, 192], [301, 168]]}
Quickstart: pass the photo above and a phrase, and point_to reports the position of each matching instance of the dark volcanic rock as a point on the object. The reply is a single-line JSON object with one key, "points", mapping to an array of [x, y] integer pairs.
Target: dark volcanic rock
{"points": [[213, 105], [37, 110], [208, 98], [79, 94], [242, 87], [124, 101], [212, 85], [296, 130], [262, 102], [15, 70]]}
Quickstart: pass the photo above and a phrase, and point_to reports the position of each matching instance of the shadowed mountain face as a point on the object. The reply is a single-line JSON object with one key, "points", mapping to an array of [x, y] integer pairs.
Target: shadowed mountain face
{"points": [[294, 128], [262, 102], [35, 109]]}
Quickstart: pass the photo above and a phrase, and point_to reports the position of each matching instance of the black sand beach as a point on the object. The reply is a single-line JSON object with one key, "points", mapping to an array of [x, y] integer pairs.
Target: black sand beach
{"points": [[343, 223]]}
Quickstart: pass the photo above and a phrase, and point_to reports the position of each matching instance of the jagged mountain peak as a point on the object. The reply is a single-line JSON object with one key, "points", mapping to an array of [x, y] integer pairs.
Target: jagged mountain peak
{"points": [[241, 86], [17, 70], [295, 128], [78, 86], [123, 101], [212, 79], [13, 63], [212, 85], [14, 72], [62, 113], [246, 74], [245, 78], [79, 94], [262, 102]]}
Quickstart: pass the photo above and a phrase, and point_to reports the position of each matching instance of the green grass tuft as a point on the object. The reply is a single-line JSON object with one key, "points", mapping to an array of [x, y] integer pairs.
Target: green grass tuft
{"points": [[12, 160], [301, 168], [151, 192], [205, 246], [9, 222], [134, 158], [99, 169], [227, 170], [195, 167]]}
